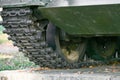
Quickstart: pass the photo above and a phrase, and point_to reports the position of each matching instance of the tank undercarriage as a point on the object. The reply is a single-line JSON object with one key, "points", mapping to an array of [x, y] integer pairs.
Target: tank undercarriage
{"points": [[48, 46]]}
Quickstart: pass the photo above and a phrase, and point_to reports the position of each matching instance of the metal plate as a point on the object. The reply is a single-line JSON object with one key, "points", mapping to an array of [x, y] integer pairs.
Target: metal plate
{"points": [[19, 3], [62, 3], [86, 20]]}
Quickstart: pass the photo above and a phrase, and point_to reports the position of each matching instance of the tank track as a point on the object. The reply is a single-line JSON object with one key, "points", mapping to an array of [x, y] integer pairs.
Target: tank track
{"points": [[28, 34]]}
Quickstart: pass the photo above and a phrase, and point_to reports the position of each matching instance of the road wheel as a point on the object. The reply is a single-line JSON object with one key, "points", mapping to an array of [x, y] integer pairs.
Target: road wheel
{"points": [[69, 48], [102, 48]]}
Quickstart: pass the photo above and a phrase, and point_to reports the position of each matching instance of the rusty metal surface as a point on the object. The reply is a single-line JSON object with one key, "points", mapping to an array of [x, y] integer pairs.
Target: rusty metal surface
{"points": [[99, 73]]}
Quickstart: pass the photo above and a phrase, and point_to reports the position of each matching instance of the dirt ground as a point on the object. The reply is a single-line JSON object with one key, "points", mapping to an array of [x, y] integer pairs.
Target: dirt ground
{"points": [[7, 47], [100, 73]]}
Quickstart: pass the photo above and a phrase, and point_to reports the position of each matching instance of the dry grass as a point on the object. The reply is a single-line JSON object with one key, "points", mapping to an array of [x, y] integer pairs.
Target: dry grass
{"points": [[15, 62], [12, 60], [6, 56], [4, 39]]}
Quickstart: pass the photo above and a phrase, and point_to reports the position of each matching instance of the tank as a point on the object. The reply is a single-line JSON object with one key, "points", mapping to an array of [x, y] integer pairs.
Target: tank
{"points": [[64, 33]]}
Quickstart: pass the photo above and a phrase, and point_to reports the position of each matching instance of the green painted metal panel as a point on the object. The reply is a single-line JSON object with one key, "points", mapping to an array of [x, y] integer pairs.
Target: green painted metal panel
{"points": [[85, 20]]}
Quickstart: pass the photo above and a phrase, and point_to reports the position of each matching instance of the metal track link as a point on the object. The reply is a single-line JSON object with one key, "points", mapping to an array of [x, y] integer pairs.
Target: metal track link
{"points": [[29, 38]]}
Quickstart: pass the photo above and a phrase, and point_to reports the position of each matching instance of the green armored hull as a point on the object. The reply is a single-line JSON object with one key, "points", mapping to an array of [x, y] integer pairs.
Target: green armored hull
{"points": [[64, 33], [86, 20]]}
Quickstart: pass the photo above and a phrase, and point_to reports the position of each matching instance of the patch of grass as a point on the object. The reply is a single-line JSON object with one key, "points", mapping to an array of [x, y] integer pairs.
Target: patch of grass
{"points": [[4, 56], [13, 61], [18, 61], [3, 37], [1, 29]]}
